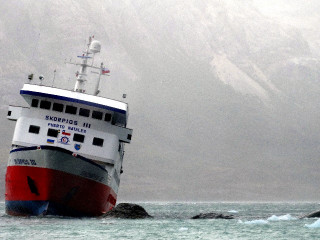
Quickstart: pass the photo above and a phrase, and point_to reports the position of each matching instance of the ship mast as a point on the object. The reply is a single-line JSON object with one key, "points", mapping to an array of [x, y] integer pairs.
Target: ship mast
{"points": [[81, 78], [93, 47]]}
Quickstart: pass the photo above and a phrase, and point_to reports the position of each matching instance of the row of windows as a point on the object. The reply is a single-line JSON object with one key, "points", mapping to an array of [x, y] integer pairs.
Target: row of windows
{"points": [[76, 136], [59, 107]]}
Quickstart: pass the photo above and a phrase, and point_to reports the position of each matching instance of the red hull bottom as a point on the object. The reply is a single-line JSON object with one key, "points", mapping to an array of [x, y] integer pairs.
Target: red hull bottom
{"points": [[41, 191]]}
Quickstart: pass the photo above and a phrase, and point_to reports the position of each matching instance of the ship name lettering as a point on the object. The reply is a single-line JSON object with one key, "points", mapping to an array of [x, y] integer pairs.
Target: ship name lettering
{"points": [[80, 130], [22, 161], [56, 125], [33, 162], [62, 120]]}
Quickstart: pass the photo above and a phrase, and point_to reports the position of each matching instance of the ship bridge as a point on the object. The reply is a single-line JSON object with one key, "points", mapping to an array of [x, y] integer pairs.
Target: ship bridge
{"points": [[119, 109]]}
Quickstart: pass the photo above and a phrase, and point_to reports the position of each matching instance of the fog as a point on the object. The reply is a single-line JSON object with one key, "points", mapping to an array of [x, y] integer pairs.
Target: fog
{"points": [[223, 95]]}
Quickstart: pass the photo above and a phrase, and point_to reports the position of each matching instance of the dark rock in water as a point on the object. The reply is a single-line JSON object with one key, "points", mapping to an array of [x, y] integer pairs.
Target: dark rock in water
{"points": [[212, 215], [128, 211], [315, 214]]}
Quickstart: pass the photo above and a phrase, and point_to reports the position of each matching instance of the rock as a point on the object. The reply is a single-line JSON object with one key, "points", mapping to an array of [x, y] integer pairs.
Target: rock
{"points": [[212, 215], [315, 214], [127, 211]]}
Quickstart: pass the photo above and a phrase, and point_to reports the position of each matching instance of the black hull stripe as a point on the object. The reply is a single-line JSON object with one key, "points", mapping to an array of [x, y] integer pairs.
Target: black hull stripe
{"points": [[60, 150]]}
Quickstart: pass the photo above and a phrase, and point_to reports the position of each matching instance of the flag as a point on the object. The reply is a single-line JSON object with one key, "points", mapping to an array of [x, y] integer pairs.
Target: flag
{"points": [[65, 133], [83, 56], [50, 141], [105, 70]]}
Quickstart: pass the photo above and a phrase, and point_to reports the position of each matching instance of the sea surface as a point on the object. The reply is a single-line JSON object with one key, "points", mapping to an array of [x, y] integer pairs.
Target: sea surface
{"points": [[172, 221]]}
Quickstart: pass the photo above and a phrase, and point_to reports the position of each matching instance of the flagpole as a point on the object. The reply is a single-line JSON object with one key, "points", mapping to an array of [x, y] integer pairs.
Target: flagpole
{"points": [[96, 92]]}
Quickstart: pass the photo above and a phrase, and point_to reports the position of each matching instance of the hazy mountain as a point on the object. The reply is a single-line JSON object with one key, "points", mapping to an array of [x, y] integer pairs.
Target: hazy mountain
{"points": [[223, 95]]}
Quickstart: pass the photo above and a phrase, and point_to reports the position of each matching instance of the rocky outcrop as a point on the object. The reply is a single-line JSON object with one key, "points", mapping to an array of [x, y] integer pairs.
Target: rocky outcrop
{"points": [[212, 215], [315, 214], [127, 211]]}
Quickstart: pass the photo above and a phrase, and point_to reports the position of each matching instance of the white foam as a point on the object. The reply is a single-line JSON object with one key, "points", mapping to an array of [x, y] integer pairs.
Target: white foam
{"points": [[253, 222], [233, 211], [183, 229], [286, 217], [316, 224]]}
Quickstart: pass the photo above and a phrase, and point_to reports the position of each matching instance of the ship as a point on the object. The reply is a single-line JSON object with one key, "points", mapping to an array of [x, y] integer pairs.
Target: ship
{"points": [[68, 146]]}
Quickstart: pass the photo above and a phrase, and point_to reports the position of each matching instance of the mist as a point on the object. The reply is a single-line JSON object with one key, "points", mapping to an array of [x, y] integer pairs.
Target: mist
{"points": [[223, 95]]}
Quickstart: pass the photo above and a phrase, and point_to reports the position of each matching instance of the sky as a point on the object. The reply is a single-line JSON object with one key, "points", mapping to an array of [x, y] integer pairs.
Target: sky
{"points": [[223, 95]]}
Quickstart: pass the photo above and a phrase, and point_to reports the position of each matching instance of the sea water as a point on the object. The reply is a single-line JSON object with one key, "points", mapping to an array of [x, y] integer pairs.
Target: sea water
{"points": [[172, 221]]}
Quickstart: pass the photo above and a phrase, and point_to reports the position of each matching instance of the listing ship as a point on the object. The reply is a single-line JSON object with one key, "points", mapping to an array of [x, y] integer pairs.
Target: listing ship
{"points": [[67, 148]]}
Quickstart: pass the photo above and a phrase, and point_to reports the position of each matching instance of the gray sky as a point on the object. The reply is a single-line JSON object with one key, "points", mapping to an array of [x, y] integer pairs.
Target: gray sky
{"points": [[223, 95]]}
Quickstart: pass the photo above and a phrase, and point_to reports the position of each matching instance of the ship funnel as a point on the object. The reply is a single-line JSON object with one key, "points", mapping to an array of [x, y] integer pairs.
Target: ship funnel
{"points": [[95, 46]]}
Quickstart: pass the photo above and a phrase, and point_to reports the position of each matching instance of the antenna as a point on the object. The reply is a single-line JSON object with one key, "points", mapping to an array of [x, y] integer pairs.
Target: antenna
{"points": [[96, 89], [41, 78], [30, 77], [54, 76], [93, 47]]}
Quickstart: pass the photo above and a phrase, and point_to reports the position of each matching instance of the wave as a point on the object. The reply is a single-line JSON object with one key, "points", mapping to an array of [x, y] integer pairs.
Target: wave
{"points": [[286, 217], [233, 211], [316, 224], [183, 229], [254, 222]]}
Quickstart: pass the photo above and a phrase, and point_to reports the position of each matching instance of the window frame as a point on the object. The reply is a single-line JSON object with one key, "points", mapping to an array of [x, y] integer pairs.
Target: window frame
{"points": [[57, 104], [68, 109], [35, 102], [34, 127], [46, 107], [95, 116], [56, 131], [78, 135], [109, 117], [82, 110], [97, 139]]}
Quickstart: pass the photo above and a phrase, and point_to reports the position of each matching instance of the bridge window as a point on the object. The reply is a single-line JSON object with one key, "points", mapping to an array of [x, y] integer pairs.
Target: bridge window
{"points": [[52, 132], [71, 109], [34, 102], [107, 117], [78, 137], [84, 112], [45, 104], [34, 129], [97, 115], [57, 107], [97, 142], [129, 136]]}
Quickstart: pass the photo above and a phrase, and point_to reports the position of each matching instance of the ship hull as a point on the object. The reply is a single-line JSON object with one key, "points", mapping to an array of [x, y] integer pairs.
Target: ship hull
{"points": [[53, 181]]}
